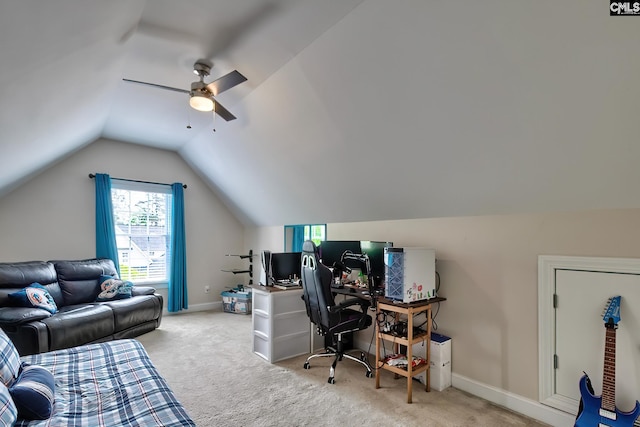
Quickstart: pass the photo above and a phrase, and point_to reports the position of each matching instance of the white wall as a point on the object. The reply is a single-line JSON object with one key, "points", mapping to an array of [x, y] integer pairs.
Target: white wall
{"points": [[52, 216], [488, 269]]}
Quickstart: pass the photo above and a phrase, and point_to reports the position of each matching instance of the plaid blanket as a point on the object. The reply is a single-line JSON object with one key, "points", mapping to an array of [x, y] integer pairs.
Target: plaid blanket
{"points": [[108, 384]]}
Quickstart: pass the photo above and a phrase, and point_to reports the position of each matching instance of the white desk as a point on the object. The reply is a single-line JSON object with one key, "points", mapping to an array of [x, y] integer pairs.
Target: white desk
{"points": [[279, 323]]}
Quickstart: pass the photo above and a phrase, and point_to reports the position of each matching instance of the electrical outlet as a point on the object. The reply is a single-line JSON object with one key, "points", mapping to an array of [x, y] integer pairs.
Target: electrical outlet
{"points": [[207, 289]]}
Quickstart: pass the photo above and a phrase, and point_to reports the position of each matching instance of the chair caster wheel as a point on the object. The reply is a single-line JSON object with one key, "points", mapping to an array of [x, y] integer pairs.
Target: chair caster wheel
{"points": [[369, 374], [331, 380], [306, 365]]}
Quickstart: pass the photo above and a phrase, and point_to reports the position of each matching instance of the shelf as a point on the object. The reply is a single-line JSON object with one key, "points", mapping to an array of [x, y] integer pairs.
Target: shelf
{"points": [[248, 256], [238, 271], [403, 371], [410, 310], [403, 340]]}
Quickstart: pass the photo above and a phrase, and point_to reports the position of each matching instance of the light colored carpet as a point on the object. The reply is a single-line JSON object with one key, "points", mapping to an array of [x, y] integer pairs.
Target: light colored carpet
{"points": [[207, 360]]}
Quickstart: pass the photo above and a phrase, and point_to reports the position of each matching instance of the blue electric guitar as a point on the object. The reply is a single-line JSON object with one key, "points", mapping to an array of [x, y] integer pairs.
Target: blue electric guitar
{"points": [[601, 411]]}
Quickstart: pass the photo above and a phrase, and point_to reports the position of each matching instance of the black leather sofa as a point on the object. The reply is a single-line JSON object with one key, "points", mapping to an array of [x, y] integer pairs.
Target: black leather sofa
{"points": [[74, 286]]}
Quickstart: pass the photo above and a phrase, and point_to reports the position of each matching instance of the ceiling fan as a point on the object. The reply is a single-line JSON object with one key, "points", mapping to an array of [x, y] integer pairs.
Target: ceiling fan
{"points": [[201, 95]]}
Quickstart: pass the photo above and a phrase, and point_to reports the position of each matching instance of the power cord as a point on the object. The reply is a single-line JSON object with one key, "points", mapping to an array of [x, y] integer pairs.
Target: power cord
{"points": [[381, 320], [434, 324]]}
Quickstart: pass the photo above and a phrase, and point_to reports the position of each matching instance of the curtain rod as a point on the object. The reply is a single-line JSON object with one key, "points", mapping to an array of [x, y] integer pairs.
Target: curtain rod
{"points": [[92, 175]]}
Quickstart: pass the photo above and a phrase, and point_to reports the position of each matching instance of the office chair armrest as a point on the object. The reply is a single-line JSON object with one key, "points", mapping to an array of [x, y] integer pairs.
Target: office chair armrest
{"points": [[364, 304]]}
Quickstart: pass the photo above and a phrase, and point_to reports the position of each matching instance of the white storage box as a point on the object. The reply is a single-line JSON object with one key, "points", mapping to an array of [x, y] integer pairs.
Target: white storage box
{"points": [[440, 375], [440, 348]]}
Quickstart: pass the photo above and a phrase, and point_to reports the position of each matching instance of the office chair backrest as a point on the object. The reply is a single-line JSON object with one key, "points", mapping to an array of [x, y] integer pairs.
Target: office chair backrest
{"points": [[316, 284]]}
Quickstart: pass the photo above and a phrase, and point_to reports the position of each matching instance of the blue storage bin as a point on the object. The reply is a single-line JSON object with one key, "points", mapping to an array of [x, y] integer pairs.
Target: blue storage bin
{"points": [[235, 301]]}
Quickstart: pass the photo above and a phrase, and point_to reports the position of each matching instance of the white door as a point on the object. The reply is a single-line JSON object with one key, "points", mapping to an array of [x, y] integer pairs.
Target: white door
{"points": [[579, 338]]}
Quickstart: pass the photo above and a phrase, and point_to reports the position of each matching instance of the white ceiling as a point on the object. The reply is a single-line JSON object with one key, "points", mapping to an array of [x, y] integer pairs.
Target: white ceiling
{"points": [[353, 109]]}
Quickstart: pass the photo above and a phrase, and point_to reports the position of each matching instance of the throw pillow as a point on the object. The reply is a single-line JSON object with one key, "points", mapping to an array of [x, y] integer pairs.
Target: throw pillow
{"points": [[113, 288], [33, 392], [9, 360], [8, 411], [35, 295]]}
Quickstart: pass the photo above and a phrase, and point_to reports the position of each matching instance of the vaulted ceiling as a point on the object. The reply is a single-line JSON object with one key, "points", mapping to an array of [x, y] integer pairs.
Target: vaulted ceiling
{"points": [[353, 110]]}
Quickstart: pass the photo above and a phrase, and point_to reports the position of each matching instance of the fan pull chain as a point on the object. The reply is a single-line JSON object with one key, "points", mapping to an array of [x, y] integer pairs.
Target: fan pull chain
{"points": [[188, 118], [214, 116]]}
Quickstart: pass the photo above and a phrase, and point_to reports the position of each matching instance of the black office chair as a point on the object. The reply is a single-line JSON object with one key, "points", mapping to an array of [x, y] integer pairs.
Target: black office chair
{"points": [[332, 320]]}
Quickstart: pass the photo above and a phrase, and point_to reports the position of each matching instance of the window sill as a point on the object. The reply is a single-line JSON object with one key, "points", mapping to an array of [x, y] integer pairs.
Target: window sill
{"points": [[157, 285]]}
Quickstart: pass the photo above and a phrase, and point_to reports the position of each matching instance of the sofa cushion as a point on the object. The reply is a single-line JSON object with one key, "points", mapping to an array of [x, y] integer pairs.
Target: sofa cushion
{"points": [[33, 392], [79, 280], [8, 411], [79, 324], [133, 311], [113, 289], [21, 274], [17, 275], [143, 290], [35, 296], [9, 360], [12, 316]]}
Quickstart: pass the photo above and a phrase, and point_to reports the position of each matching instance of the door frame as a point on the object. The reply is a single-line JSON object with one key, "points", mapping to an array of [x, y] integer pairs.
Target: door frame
{"points": [[547, 266]]}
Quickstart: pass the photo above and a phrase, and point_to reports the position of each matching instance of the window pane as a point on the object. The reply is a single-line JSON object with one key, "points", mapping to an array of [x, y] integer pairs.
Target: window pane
{"points": [[318, 232]]}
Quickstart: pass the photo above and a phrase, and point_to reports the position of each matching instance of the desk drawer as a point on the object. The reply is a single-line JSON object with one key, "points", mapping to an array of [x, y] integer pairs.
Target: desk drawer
{"points": [[290, 346], [261, 323], [261, 347], [287, 301], [290, 323]]}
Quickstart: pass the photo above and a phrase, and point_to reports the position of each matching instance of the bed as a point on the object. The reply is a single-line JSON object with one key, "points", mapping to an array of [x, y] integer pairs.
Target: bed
{"points": [[107, 384]]}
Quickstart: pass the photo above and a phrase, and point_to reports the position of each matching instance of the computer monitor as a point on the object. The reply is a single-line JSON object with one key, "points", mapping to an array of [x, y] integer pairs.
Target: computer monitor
{"points": [[331, 252], [285, 265], [375, 252]]}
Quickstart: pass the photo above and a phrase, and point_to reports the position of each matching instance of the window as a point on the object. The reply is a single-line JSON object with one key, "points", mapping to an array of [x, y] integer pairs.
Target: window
{"points": [[317, 233], [294, 233], [143, 230]]}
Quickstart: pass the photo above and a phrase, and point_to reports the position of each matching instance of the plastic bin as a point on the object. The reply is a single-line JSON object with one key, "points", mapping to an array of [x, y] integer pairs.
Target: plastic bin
{"points": [[238, 302]]}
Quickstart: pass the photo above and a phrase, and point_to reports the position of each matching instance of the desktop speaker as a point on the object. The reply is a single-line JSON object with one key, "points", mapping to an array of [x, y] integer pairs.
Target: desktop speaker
{"points": [[266, 276]]}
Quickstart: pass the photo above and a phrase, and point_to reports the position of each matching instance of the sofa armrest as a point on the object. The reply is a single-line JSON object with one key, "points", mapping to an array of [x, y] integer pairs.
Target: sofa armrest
{"points": [[13, 316], [142, 290]]}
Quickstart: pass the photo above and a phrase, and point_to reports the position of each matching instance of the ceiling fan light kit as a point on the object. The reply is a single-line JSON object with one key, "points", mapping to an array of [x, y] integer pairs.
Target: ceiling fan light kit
{"points": [[200, 99], [201, 102]]}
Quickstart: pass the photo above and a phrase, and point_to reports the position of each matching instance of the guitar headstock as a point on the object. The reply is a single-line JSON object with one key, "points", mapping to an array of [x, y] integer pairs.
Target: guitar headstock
{"points": [[611, 315]]}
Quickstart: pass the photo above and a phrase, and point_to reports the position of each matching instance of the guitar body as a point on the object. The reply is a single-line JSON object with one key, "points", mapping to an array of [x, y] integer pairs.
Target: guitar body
{"points": [[590, 413]]}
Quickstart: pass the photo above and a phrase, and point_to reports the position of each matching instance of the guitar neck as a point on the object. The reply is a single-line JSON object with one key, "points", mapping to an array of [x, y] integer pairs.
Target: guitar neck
{"points": [[609, 372]]}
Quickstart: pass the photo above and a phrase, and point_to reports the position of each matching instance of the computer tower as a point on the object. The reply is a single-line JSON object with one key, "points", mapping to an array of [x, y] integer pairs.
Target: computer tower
{"points": [[410, 274]]}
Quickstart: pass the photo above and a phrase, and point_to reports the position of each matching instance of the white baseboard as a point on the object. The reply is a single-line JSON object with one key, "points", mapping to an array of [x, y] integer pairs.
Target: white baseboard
{"points": [[196, 307], [514, 402]]}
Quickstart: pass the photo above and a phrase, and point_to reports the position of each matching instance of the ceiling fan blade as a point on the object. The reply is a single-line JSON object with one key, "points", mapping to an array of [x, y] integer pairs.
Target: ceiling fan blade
{"points": [[225, 82], [223, 112], [175, 89]]}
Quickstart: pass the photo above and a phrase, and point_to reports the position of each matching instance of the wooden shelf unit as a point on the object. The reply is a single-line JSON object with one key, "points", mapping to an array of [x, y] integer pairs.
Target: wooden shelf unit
{"points": [[410, 310]]}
